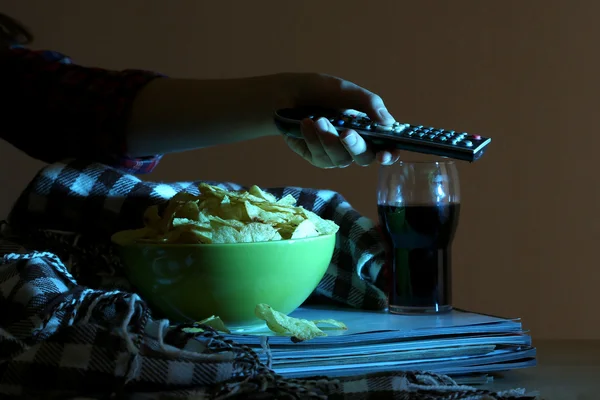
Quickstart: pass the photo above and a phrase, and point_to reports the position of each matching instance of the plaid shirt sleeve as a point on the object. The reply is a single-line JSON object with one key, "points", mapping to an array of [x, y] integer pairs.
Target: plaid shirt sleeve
{"points": [[53, 109]]}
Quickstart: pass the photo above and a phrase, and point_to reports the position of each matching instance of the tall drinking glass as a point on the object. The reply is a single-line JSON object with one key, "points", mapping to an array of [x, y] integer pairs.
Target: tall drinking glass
{"points": [[419, 208]]}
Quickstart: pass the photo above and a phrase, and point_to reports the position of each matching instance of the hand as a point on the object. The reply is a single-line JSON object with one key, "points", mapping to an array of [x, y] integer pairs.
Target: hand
{"points": [[322, 146]]}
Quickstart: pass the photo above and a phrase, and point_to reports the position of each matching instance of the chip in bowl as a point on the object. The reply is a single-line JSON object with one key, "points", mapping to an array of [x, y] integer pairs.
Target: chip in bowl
{"points": [[217, 215]]}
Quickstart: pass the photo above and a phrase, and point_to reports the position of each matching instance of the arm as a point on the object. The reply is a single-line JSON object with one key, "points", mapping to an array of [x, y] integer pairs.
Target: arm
{"points": [[173, 115], [52, 109]]}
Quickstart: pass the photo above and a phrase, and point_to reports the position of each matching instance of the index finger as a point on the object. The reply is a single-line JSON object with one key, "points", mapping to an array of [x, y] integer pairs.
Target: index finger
{"points": [[349, 95]]}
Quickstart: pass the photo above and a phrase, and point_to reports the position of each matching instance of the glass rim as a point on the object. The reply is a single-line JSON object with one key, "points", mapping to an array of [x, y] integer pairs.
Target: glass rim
{"points": [[421, 162]]}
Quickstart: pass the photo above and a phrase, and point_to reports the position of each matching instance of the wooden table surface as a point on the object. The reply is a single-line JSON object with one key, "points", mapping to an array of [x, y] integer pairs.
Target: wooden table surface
{"points": [[566, 370]]}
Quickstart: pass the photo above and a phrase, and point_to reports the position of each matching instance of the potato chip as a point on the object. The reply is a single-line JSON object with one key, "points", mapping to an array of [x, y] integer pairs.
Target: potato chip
{"points": [[217, 215], [258, 214], [305, 229], [191, 232], [287, 200], [151, 216], [324, 226], [231, 211], [216, 222], [258, 192], [183, 197], [256, 232], [299, 329], [188, 210], [226, 234], [210, 205], [214, 322]]}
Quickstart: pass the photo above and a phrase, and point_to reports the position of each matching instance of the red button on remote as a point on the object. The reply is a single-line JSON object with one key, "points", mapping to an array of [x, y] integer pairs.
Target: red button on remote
{"points": [[477, 137]]}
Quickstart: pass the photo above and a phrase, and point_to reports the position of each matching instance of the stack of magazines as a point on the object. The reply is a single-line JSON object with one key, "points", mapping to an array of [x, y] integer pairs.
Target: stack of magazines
{"points": [[459, 344]]}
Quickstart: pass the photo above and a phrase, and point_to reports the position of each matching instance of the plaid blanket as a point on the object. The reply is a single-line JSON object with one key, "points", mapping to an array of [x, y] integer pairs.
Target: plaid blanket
{"points": [[72, 327]]}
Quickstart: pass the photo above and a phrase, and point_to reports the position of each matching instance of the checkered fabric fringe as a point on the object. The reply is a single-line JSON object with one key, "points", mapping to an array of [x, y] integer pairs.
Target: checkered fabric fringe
{"points": [[72, 327]]}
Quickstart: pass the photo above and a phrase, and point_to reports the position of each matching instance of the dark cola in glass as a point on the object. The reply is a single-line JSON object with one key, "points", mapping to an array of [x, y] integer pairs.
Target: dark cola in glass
{"points": [[419, 210]]}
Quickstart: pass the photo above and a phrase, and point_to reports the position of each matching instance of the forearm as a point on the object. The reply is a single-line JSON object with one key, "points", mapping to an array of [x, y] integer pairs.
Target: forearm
{"points": [[171, 115]]}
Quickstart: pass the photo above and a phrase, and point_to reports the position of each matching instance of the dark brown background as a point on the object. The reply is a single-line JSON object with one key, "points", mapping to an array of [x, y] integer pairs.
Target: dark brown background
{"points": [[522, 72]]}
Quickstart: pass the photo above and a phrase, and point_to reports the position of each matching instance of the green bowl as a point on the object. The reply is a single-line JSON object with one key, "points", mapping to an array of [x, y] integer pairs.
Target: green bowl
{"points": [[192, 282]]}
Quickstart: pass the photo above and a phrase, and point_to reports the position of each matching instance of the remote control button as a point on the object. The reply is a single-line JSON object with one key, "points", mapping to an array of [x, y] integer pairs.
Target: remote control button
{"points": [[441, 138], [431, 136], [402, 127], [468, 143], [339, 122], [455, 141], [421, 134], [383, 128], [476, 137]]}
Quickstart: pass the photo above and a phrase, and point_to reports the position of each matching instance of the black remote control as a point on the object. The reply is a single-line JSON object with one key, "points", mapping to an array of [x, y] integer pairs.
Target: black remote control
{"points": [[415, 138]]}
